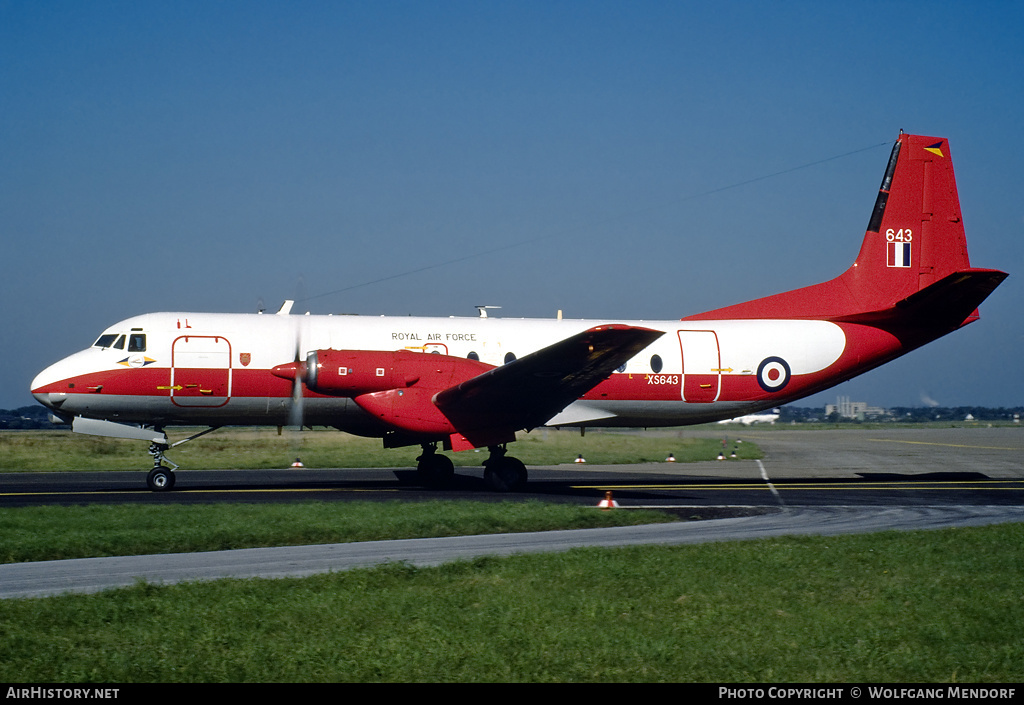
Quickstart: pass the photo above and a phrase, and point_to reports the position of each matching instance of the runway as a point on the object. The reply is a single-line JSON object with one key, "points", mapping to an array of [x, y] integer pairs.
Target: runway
{"points": [[809, 482], [954, 466]]}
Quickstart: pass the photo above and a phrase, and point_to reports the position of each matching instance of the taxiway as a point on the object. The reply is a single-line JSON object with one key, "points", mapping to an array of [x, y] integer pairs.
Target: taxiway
{"points": [[809, 482]]}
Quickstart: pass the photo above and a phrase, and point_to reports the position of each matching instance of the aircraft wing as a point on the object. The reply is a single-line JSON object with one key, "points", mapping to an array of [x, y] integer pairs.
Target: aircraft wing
{"points": [[527, 392]]}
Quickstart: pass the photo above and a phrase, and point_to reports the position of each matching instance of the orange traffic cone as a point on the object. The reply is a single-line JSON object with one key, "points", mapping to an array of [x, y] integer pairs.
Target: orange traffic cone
{"points": [[607, 503]]}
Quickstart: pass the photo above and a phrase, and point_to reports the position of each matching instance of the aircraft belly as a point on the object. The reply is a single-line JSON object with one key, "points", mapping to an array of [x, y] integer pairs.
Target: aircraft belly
{"points": [[236, 411]]}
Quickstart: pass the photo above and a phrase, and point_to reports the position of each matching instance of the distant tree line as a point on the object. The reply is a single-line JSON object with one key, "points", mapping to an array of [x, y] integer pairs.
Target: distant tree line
{"points": [[27, 417]]}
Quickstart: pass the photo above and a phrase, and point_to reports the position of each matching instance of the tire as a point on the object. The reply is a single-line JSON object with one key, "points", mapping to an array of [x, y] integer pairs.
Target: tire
{"points": [[160, 479], [505, 474], [435, 470]]}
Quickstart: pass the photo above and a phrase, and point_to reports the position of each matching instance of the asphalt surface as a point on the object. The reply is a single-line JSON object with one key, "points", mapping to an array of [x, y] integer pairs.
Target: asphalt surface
{"points": [[810, 482]]}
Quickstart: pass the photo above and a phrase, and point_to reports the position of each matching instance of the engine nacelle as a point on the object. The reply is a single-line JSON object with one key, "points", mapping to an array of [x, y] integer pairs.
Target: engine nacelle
{"points": [[352, 373], [395, 386]]}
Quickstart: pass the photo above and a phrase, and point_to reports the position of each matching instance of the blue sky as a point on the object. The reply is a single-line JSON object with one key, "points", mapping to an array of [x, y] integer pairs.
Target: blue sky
{"points": [[556, 155]]}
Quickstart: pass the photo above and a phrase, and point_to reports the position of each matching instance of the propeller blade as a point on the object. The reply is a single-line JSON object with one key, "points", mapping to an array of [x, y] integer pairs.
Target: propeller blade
{"points": [[296, 415]]}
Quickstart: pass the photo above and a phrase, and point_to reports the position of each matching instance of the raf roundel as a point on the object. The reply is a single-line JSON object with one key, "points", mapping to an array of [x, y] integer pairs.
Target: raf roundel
{"points": [[773, 374]]}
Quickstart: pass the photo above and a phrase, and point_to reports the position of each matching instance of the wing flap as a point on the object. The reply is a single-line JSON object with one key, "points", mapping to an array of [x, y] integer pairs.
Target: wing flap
{"points": [[527, 392]]}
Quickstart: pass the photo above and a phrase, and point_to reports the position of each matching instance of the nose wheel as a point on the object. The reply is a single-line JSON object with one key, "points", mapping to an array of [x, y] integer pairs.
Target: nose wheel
{"points": [[160, 479]]}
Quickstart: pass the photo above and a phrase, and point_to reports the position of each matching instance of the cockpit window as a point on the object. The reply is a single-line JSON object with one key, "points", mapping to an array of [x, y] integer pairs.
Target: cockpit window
{"points": [[136, 341]]}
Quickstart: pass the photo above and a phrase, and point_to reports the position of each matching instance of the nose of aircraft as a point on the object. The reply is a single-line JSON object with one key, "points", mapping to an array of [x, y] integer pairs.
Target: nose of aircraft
{"points": [[40, 396], [48, 400], [43, 384]]}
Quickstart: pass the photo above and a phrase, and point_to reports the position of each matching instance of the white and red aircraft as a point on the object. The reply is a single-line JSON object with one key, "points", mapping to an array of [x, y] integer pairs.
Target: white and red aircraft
{"points": [[466, 383], [768, 417]]}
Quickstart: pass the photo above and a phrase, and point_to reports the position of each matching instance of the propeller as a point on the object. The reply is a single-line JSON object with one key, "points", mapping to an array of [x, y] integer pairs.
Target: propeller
{"points": [[296, 412], [294, 371], [296, 409]]}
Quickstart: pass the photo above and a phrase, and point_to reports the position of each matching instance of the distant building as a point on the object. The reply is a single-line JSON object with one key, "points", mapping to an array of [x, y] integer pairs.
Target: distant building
{"points": [[859, 410]]}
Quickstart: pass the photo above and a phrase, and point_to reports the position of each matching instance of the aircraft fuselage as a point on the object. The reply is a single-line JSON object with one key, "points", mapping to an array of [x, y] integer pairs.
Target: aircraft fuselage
{"points": [[215, 368]]}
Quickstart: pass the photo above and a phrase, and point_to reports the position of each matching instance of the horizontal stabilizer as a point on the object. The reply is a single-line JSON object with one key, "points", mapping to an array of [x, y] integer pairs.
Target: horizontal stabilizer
{"points": [[527, 392], [944, 306]]}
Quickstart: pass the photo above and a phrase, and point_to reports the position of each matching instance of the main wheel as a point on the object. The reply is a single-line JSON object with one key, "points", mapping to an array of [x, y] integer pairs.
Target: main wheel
{"points": [[435, 470], [505, 474], [160, 479]]}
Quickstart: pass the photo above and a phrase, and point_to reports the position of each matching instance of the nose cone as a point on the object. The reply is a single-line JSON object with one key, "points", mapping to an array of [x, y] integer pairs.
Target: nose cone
{"points": [[43, 388], [50, 400], [52, 386]]}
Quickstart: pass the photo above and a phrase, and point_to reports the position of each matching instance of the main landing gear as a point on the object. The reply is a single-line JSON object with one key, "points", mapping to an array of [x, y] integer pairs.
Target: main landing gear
{"points": [[502, 472], [434, 469]]}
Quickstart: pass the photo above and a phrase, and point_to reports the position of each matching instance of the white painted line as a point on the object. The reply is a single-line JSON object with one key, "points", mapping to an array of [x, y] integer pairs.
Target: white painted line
{"points": [[764, 476]]}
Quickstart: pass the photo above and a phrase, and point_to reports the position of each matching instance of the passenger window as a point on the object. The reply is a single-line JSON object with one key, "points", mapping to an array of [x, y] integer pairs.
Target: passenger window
{"points": [[656, 363], [119, 345], [137, 342]]}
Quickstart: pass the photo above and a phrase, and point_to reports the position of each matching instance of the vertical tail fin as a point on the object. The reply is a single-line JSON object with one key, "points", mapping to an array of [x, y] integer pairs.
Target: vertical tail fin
{"points": [[915, 238]]}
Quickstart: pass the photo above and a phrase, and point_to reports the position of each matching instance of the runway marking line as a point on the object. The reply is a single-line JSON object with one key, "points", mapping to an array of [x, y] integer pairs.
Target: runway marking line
{"points": [[852, 485], [764, 476], [944, 445], [194, 491]]}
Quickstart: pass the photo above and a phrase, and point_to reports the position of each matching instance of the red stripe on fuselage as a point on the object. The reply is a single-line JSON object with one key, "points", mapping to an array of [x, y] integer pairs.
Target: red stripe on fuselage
{"points": [[156, 382]]}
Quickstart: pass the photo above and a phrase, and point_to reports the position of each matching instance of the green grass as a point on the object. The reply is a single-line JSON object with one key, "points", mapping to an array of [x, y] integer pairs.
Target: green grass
{"points": [[936, 606], [251, 448], [54, 532]]}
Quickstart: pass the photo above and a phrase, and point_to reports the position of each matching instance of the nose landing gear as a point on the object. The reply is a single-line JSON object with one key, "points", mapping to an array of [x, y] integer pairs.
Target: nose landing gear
{"points": [[160, 478]]}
